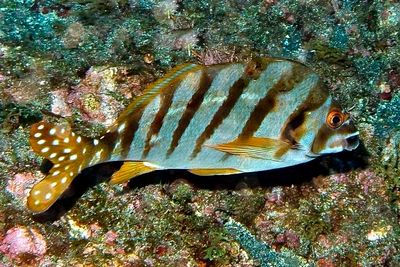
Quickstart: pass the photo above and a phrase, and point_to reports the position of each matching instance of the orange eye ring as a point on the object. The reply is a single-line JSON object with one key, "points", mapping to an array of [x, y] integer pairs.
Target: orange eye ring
{"points": [[335, 119]]}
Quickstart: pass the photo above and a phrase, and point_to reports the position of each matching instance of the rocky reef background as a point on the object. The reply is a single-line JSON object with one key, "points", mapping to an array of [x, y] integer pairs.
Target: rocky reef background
{"points": [[83, 61]]}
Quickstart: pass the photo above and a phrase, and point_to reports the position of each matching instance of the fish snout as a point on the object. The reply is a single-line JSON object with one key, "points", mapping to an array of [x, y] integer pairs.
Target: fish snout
{"points": [[351, 142]]}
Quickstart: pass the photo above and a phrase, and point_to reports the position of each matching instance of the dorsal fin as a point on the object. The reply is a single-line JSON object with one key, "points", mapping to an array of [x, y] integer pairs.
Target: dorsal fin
{"points": [[153, 89], [70, 153]]}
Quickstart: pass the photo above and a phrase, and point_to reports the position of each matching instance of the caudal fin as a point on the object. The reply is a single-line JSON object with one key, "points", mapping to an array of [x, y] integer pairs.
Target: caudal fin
{"points": [[70, 153]]}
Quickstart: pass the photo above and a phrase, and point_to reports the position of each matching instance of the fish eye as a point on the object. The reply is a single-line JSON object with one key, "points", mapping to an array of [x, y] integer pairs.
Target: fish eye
{"points": [[335, 119]]}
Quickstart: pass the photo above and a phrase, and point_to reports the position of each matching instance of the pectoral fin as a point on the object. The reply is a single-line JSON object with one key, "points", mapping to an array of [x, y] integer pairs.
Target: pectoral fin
{"points": [[131, 169], [210, 172], [255, 147]]}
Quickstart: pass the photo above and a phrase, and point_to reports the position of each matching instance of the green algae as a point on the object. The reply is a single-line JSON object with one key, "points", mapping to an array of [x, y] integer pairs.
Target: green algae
{"points": [[13, 115], [387, 117]]}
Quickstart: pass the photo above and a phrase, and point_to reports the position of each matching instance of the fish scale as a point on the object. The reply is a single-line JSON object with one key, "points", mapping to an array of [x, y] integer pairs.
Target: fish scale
{"points": [[257, 90], [182, 96], [137, 146], [259, 115]]}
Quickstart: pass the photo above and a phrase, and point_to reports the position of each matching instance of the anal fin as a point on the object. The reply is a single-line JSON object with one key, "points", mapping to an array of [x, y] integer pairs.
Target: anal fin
{"points": [[210, 172], [131, 169]]}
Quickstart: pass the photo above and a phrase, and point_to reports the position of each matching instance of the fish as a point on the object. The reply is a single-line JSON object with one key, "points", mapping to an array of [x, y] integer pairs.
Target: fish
{"points": [[263, 114]]}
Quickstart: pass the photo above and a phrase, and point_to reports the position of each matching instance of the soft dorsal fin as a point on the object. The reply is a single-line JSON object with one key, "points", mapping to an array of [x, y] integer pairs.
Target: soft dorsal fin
{"points": [[131, 169], [152, 90], [70, 153], [255, 147]]}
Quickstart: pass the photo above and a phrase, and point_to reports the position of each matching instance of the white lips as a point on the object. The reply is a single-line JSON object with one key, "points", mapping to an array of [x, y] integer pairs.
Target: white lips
{"points": [[354, 144], [353, 134]]}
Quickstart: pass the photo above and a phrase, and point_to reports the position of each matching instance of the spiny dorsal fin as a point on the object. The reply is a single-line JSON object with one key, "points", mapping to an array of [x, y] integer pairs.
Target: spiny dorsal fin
{"points": [[68, 152], [255, 147], [131, 169]]}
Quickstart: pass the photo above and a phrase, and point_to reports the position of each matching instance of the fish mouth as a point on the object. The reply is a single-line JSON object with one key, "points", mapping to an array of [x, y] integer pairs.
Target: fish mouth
{"points": [[352, 142]]}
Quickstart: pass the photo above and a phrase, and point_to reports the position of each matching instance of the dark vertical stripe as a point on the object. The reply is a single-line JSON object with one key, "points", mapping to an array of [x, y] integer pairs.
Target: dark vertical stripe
{"points": [[129, 132], [191, 108], [234, 94], [292, 129], [166, 101], [321, 139], [285, 84], [263, 107]]}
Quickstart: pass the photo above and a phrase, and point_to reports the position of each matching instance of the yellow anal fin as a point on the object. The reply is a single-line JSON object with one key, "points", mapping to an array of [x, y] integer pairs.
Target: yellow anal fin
{"points": [[255, 147], [209, 172], [131, 169]]}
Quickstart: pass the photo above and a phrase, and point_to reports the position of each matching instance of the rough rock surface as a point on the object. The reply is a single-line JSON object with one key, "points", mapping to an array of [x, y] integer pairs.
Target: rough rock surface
{"points": [[82, 62]]}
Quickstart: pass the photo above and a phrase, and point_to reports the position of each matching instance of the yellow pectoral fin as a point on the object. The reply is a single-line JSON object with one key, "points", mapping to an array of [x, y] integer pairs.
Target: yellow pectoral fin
{"points": [[255, 147], [131, 169], [209, 172]]}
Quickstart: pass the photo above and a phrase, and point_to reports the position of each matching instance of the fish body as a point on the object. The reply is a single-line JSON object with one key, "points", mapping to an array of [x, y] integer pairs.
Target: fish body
{"points": [[211, 120]]}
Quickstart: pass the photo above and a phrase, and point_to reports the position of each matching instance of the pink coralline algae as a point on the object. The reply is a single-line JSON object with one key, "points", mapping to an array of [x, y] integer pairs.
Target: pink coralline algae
{"points": [[288, 239], [95, 97], [59, 106], [110, 237], [370, 182], [18, 185], [339, 178], [23, 242]]}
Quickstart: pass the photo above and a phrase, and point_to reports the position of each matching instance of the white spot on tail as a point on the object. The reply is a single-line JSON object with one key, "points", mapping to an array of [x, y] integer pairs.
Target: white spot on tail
{"points": [[41, 127], [66, 140], [61, 158], [56, 142], [47, 196], [73, 157], [79, 139], [37, 192], [55, 173], [37, 135], [64, 180], [53, 184], [52, 131], [84, 150], [67, 150], [95, 142], [45, 149], [41, 142], [37, 202], [53, 155]]}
